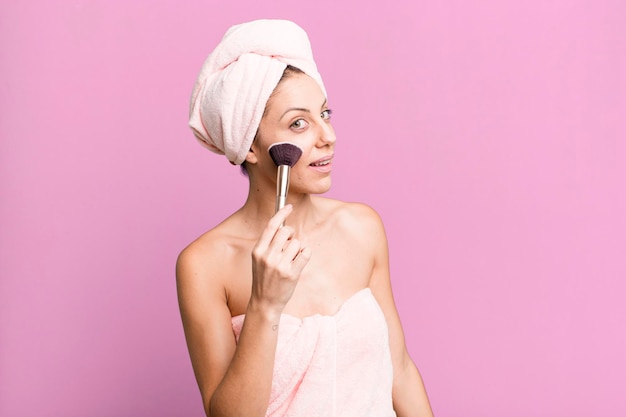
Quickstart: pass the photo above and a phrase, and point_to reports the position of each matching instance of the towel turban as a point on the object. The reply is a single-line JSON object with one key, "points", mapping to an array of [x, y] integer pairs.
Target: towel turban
{"points": [[237, 79]]}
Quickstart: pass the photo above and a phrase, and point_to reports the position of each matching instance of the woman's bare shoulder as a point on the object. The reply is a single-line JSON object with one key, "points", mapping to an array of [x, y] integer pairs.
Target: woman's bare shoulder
{"points": [[203, 247], [207, 255], [353, 216]]}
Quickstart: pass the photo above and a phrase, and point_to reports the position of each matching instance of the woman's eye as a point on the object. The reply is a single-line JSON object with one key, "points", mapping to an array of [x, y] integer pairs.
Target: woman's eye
{"points": [[299, 124], [326, 114]]}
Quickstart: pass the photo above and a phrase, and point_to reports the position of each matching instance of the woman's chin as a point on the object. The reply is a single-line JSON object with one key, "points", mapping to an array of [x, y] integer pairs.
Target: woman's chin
{"points": [[322, 187], [319, 186]]}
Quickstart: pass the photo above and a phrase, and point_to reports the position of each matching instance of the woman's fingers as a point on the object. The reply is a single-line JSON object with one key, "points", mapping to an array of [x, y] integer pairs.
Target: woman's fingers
{"points": [[278, 259], [301, 259], [273, 226], [290, 262], [291, 250], [277, 249]]}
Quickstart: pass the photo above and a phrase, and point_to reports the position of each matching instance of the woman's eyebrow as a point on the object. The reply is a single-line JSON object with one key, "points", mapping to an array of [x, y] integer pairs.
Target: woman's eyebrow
{"points": [[294, 109], [301, 109]]}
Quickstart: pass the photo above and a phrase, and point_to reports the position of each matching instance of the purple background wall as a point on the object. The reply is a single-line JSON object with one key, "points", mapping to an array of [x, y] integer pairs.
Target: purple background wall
{"points": [[489, 134]]}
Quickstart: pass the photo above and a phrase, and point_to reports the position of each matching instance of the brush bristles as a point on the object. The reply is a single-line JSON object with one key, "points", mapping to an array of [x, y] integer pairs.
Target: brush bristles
{"points": [[285, 153]]}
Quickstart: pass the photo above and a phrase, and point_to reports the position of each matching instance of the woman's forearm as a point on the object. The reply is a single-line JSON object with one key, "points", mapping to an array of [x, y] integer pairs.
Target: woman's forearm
{"points": [[246, 386], [409, 394]]}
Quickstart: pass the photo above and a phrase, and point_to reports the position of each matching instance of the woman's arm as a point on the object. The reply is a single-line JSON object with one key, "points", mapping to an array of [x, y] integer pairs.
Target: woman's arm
{"points": [[409, 394], [228, 372]]}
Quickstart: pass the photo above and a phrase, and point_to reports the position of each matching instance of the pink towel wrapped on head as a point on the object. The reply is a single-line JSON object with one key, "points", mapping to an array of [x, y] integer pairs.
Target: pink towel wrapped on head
{"points": [[237, 79], [332, 366]]}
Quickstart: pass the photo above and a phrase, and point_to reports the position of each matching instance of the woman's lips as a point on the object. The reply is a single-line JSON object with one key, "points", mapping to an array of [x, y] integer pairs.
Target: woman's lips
{"points": [[322, 164]]}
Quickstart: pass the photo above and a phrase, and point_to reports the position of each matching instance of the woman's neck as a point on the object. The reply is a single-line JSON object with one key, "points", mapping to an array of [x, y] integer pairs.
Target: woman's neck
{"points": [[260, 207]]}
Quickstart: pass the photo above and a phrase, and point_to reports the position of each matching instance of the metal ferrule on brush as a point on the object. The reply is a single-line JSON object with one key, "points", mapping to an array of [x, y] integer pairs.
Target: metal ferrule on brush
{"points": [[282, 185], [285, 155]]}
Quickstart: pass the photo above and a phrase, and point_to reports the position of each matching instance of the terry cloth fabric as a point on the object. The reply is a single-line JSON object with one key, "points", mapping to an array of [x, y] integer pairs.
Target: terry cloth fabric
{"points": [[237, 79], [332, 366]]}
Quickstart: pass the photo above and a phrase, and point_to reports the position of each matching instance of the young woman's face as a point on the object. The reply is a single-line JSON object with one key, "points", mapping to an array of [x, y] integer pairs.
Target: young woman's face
{"points": [[298, 113]]}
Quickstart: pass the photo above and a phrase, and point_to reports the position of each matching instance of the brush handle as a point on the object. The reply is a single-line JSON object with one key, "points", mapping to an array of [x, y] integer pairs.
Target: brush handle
{"points": [[281, 200], [282, 186]]}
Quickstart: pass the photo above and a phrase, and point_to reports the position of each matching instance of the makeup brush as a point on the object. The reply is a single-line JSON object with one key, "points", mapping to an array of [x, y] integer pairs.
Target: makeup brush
{"points": [[285, 155]]}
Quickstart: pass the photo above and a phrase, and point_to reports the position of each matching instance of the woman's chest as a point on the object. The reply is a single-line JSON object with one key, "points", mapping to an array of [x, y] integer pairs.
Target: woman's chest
{"points": [[337, 269]]}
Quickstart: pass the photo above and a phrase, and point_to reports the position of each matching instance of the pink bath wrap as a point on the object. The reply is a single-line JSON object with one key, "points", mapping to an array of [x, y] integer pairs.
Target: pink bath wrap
{"points": [[332, 366]]}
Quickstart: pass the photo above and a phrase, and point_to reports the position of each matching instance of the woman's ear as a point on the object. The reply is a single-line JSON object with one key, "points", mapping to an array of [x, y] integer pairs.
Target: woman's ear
{"points": [[251, 157]]}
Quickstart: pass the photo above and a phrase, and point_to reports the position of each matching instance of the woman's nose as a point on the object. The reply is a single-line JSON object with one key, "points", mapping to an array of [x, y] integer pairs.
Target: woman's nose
{"points": [[327, 134]]}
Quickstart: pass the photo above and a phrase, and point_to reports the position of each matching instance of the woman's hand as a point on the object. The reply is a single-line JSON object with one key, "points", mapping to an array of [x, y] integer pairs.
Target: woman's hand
{"points": [[278, 258]]}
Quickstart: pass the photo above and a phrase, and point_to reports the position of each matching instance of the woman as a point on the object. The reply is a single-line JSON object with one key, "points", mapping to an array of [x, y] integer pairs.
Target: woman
{"points": [[293, 320]]}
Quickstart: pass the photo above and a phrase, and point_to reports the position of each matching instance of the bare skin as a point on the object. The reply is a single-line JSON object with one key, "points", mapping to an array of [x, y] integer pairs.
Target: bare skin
{"points": [[327, 251]]}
